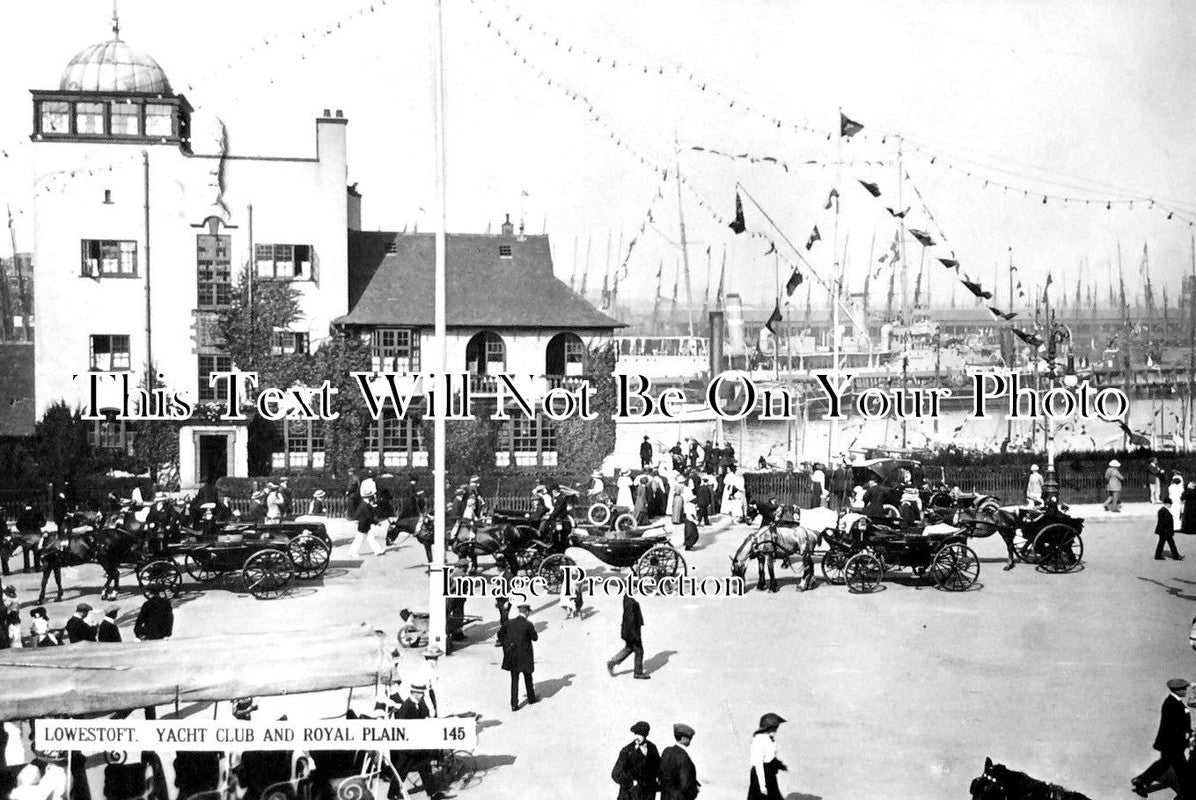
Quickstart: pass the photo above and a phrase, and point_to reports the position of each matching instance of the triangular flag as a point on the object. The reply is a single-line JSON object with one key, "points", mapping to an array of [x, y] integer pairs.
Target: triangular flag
{"points": [[739, 225], [897, 214], [815, 236], [830, 198], [922, 236], [772, 248], [949, 263], [872, 188], [977, 290], [848, 127]]}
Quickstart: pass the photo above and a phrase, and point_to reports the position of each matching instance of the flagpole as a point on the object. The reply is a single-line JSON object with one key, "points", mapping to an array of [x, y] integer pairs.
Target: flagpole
{"points": [[689, 298], [832, 442], [905, 321], [437, 612]]}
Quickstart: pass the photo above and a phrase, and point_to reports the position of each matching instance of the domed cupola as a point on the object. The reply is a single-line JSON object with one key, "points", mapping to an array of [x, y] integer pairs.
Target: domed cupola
{"points": [[111, 91]]}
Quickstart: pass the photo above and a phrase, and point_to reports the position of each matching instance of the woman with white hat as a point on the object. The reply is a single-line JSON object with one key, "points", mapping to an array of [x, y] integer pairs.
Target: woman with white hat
{"points": [[1034, 487]]}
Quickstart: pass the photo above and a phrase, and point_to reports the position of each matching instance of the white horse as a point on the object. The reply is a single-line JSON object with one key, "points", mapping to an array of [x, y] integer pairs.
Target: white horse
{"points": [[773, 541]]}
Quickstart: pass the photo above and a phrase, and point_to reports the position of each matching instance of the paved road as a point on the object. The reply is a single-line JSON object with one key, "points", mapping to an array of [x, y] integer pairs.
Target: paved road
{"points": [[898, 694]]}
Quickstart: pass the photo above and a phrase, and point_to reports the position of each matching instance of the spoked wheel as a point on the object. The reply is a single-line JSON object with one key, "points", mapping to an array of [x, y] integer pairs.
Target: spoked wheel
{"points": [[267, 574], [1024, 549], [309, 556], [159, 577], [832, 567], [624, 523], [954, 568], [892, 511], [599, 514], [661, 561], [863, 572], [1058, 548], [457, 769], [552, 570], [201, 565]]}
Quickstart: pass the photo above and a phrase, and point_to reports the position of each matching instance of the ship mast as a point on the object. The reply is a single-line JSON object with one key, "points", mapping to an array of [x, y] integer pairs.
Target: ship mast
{"points": [[689, 298], [905, 320]]}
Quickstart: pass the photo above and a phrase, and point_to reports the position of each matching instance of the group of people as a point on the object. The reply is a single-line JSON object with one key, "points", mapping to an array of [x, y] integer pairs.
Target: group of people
{"points": [[155, 620]]}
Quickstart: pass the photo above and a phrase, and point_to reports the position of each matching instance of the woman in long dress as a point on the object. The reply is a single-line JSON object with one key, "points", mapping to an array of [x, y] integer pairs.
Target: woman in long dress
{"points": [[1176, 492], [732, 503], [623, 499], [1188, 514], [762, 779]]}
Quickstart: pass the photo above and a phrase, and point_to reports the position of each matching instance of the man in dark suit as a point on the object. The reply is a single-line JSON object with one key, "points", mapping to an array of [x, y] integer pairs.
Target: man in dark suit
{"points": [[519, 654], [637, 767], [107, 630], [629, 631], [155, 620], [1172, 739], [77, 627], [404, 761], [1165, 530], [703, 499], [646, 453], [678, 776]]}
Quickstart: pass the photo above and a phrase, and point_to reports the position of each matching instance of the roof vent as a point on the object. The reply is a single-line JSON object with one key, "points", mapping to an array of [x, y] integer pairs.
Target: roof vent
{"points": [[507, 228], [340, 114], [327, 112]]}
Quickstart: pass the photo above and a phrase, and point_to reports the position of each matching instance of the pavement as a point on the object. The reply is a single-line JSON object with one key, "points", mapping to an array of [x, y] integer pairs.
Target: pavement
{"points": [[901, 693]]}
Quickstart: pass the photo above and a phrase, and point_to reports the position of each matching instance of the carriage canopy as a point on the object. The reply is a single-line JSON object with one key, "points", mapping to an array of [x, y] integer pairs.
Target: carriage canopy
{"points": [[93, 679]]}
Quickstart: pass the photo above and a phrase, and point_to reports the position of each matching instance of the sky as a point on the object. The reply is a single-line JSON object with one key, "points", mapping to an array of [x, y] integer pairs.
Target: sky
{"points": [[1092, 100]]}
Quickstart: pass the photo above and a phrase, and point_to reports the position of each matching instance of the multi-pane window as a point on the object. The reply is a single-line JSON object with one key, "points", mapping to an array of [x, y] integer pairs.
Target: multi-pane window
{"points": [[302, 445], [126, 118], [395, 442], [395, 350], [504, 251], [55, 117], [207, 365], [286, 343], [89, 118], [109, 352], [107, 258], [288, 262], [213, 267], [159, 120], [114, 434], [526, 443]]}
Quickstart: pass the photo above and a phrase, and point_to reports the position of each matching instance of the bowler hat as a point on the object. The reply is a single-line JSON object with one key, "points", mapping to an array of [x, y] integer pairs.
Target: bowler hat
{"points": [[682, 731], [770, 722], [318, 494], [432, 651], [1114, 463], [417, 687], [641, 728], [1177, 684], [84, 607]]}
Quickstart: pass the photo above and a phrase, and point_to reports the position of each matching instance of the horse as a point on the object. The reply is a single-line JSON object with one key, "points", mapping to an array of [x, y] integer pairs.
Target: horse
{"points": [[783, 541], [983, 522], [120, 540], [998, 782]]}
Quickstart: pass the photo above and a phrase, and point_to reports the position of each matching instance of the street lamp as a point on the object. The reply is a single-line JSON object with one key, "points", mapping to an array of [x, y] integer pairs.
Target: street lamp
{"points": [[1058, 335]]}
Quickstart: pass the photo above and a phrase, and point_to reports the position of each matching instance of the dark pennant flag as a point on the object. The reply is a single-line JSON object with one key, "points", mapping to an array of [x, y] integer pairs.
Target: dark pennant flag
{"points": [[739, 225]]}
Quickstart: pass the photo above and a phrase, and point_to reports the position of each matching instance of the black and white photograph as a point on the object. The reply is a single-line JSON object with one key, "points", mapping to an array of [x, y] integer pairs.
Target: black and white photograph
{"points": [[780, 399]]}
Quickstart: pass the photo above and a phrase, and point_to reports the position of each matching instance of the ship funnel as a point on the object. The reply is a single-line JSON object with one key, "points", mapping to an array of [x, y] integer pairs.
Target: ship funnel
{"points": [[886, 332]]}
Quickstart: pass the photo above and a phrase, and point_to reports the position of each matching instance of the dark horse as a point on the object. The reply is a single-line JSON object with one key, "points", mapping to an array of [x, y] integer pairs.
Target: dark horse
{"points": [[998, 782], [121, 540]]}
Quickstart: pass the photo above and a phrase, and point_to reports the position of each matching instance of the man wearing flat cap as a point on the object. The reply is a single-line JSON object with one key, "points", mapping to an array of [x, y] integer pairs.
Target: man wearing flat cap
{"points": [[1172, 739], [108, 631], [637, 768], [77, 627], [678, 776]]}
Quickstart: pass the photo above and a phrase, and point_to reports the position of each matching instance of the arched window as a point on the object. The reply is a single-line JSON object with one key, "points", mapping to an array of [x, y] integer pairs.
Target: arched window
{"points": [[486, 354], [565, 355]]}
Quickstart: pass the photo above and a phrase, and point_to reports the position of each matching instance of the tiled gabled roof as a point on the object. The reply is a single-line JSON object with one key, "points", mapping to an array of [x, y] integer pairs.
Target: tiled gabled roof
{"points": [[485, 290]]}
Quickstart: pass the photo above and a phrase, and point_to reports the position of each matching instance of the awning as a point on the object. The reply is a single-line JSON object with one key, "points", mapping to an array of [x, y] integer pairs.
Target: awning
{"points": [[89, 679]]}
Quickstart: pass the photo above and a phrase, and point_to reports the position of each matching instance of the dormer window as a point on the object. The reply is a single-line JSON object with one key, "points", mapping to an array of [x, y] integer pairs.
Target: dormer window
{"points": [[504, 251], [392, 248]]}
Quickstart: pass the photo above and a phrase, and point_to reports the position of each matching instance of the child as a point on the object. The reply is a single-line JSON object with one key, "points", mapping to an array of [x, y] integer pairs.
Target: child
{"points": [[571, 603]]}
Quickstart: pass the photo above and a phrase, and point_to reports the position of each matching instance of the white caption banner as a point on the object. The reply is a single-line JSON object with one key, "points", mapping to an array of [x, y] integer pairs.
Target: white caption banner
{"points": [[98, 735]]}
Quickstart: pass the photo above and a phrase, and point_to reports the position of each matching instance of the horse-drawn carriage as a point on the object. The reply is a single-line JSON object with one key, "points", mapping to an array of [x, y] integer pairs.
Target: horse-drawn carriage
{"points": [[870, 548], [172, 675], [1048, 536], [514, 539]]}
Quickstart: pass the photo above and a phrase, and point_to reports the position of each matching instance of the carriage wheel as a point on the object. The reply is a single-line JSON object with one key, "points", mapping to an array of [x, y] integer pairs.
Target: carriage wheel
{"points": [[892, 511], [201, 565], [832, 567], [552, 570], [954, 568], [988, 505], [1059, 548], [309, 556], [412, 636], [457, 769], [625, 522], [160, 577], [267, 574], [662, 561], [863, 572], [599, 514]]}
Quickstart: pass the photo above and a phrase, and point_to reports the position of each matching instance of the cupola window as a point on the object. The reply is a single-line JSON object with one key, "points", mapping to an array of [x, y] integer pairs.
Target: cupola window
{"points": [[89, 119], [159, 120], [126, 119], [56, 117]]}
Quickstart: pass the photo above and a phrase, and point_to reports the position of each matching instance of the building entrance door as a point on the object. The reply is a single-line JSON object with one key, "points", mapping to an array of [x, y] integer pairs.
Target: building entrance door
{"points": [[213, 456]]}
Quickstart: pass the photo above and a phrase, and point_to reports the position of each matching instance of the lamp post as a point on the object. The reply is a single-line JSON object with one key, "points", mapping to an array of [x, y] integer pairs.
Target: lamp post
{"points": [[1058, 336]]}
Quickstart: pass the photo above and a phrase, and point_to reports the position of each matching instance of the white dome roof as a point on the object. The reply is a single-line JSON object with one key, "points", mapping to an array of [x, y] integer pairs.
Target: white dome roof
{"points": [[113, 66]]}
